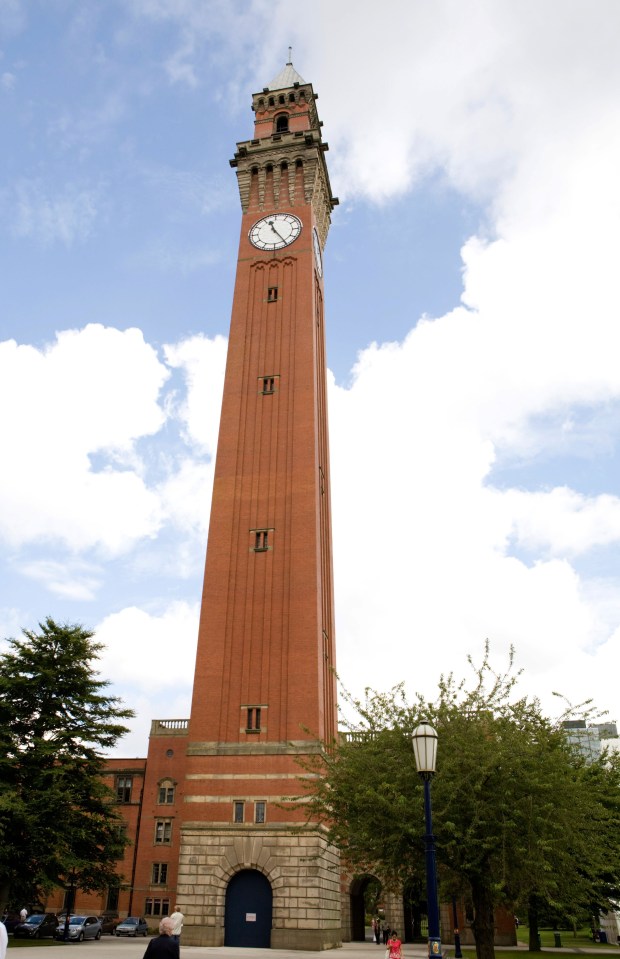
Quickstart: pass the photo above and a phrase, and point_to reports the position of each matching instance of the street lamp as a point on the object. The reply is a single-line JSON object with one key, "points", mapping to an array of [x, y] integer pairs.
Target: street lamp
{"points": [[424, 739]]}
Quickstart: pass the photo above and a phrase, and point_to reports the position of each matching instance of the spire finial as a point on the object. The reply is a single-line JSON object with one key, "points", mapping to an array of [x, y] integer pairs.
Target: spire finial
{"points": [[290, 56]]}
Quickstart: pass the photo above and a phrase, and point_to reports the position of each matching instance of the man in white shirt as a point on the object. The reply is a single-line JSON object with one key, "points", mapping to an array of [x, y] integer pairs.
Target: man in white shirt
{"points": [[177, 923]]}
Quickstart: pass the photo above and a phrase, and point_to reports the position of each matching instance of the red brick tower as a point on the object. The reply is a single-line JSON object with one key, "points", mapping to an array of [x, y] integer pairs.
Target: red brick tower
{"points": [[250, 872]]}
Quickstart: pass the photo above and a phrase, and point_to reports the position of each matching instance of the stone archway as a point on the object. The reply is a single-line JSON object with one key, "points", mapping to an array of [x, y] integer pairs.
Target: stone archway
{"points": [[358, 894]]}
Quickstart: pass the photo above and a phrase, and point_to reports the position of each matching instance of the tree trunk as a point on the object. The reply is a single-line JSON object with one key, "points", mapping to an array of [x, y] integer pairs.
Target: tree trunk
{"points": [[5, 889], [484, 920], [532, 920]]}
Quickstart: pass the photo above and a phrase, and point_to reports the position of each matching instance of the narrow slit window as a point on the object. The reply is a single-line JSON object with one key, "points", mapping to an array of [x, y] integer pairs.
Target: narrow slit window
{"points": [[253, 719], [259, 811], [272, 294], [261, 540], [238, 810], [269, 384]]}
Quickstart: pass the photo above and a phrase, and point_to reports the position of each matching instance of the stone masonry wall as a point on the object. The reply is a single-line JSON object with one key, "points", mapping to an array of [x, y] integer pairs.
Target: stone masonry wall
{"points": [[303, 871]]}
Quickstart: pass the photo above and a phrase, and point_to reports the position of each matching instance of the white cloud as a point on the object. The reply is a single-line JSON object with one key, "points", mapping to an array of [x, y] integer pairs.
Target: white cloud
{"points": [[74, 580], [93, 392], [7, 80], [562, 521], [186, 497], [202, 361], [150, 658], [67, 216]]}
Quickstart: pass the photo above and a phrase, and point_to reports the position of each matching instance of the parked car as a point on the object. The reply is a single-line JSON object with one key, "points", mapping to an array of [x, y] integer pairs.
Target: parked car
{"points": [[109, 924], [11, 920], [36, 927], [80, 928], [132, 927]]}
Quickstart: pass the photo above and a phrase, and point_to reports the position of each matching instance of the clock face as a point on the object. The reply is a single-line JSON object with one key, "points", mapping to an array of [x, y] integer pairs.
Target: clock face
{"points": [[275, 231], [318, 259]]}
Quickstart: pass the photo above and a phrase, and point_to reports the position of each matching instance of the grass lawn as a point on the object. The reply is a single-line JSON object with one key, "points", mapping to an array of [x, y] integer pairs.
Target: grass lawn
{"points": [[19, 943], [582, 939]]}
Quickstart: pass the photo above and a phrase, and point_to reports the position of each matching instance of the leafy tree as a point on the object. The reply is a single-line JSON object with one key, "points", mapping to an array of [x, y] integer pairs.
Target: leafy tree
{"points": [[58, 822], [519, 817]]}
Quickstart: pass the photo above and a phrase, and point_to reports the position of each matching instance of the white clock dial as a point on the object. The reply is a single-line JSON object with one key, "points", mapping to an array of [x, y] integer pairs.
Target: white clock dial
{"points": [[318, 259], [275, 231]]}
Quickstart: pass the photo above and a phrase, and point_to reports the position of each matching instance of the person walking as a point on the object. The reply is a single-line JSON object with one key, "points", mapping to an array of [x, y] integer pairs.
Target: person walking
{"points": [[394, 945], [163, 946], [385, 929], [177, 923]]}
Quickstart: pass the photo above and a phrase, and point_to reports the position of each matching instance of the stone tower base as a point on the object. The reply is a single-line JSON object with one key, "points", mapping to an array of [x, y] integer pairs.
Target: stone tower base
{"points": [[302, 869]]}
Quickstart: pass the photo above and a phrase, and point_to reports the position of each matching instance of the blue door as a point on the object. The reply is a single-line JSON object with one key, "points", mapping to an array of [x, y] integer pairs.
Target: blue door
{"points": [[248, 910]]}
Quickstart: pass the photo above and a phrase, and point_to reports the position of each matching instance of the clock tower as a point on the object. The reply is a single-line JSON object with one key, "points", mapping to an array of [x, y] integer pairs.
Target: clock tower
{"points": [[252, 870]]}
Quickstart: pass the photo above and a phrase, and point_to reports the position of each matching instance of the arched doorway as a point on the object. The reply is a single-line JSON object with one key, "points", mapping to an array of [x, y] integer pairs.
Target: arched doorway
{"points": [[249, 901], [365, 893]]}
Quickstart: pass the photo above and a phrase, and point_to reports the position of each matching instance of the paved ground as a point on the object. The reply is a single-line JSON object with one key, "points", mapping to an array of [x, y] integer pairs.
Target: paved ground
{"points": [[112, 948]]}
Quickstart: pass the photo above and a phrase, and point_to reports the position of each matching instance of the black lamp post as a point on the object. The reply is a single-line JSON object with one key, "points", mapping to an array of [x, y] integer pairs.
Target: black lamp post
{"points": [[424, 740]]}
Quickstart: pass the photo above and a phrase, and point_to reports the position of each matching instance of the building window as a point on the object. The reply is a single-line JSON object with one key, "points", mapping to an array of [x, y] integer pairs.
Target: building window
{"points": [[259, 811], [261, 540], [157, 907], [272, 102], [272, 294], [282, 122], [291, 98], [253, 724], [159, 874], [123, 789], [165, 793], [163, 830], [268, 384], [238, 810], [112, 899]]}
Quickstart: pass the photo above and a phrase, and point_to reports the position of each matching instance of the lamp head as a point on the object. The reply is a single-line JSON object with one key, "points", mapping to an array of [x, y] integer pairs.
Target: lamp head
{"points": [[424, 739]]}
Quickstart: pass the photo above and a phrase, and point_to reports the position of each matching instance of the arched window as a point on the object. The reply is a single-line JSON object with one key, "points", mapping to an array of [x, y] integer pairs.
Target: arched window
{"points": [[272, 102], [281, 98], [261, 104], [282, 123]]}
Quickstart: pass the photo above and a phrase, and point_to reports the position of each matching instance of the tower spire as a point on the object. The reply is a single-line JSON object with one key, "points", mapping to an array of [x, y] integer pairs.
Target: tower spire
{"points": [[287, 77]]}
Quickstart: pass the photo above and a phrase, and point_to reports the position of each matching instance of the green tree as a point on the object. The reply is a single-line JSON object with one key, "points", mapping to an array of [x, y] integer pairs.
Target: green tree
{"points": [[518, 815], [58, 822]]}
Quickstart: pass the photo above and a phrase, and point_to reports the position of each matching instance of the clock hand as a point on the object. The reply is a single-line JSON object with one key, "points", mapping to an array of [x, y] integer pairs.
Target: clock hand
{"points": [[275, 231]]}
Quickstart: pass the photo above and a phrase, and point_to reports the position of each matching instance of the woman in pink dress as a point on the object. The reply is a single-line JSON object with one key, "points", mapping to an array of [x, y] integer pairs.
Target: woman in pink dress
{"points": [[394, 945]]}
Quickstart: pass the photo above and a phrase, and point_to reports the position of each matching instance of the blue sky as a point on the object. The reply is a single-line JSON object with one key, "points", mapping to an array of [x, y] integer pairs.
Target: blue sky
{"points": [[472, 312]]}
